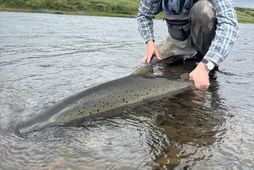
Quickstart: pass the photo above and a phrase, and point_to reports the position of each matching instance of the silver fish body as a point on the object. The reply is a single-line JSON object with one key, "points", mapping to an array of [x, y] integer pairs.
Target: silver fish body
{"points": [[102, 98]]}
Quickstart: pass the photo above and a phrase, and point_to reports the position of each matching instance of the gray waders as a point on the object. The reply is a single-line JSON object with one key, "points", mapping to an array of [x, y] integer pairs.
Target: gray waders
{"points": [[189, 34]]}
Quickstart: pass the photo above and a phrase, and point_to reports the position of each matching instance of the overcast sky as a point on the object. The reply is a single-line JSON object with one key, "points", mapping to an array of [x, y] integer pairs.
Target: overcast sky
{"points": [[244, 3]]}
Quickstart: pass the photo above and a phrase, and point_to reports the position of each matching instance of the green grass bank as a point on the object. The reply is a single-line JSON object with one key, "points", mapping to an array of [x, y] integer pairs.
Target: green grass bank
{"points": [[120, 8]]}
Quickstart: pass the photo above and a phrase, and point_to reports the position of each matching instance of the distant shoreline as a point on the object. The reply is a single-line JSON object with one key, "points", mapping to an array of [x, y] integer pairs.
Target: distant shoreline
{"points": [[50, 11], [244, 15]]}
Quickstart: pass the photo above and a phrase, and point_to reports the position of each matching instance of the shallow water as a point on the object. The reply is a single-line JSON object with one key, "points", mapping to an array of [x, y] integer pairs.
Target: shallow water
{"points": [[45, 58]]}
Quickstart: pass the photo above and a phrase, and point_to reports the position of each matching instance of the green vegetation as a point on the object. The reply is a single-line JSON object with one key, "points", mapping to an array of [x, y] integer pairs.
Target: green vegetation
{"points": [[123, 8], [245, 15], [92, 7]]}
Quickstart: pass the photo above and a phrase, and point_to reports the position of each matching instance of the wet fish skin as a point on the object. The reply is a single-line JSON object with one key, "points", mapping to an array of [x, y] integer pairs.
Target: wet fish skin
{"points": [[102, 98]]}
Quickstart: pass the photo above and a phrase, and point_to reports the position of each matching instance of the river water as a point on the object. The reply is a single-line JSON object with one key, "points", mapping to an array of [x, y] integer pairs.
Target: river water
{"points": [[45, 58]]}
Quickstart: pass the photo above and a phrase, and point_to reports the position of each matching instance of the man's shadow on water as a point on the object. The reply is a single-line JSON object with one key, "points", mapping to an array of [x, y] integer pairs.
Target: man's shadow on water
{"points": [[192, 121]]}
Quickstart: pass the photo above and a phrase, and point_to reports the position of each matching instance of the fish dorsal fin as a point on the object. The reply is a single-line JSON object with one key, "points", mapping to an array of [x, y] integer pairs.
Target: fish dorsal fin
{"points": [[145, 71]]}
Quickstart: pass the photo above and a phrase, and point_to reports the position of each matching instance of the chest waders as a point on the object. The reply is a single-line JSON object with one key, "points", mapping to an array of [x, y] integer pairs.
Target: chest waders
{"points": [[191, 26]]}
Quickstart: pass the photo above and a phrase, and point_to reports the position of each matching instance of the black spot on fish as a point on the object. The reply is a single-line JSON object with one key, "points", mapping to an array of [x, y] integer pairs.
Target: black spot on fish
{"points": [[98, 110]]}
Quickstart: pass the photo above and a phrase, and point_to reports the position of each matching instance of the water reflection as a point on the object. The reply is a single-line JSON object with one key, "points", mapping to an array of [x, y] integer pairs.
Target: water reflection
{"points": [[192, 124], [191, 121]]}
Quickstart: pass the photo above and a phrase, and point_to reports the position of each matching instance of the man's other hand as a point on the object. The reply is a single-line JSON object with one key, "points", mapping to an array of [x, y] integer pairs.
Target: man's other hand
{"points": [[151, 51], [200, 76]]}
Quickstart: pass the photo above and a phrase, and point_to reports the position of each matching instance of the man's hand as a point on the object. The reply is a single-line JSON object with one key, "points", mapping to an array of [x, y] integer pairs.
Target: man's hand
{"points": [[200, 76], [151, 51]]}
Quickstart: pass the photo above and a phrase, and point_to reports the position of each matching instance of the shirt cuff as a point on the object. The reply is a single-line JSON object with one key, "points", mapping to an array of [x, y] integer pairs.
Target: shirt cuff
{"points": [[214, 57], [148, 38]]}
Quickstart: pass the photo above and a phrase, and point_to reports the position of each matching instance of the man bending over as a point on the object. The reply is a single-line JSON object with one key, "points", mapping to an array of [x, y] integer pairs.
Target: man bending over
{"points": [[208, 28]]}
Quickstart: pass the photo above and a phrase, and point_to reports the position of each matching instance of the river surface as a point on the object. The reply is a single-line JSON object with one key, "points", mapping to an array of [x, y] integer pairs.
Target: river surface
{"points": [[45, 58]]}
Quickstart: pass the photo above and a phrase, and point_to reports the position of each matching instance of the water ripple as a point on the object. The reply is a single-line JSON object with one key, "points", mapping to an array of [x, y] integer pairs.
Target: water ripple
{"points": [[45, 58]]}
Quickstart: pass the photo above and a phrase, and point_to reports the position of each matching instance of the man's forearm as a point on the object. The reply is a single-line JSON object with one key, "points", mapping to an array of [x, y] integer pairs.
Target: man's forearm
{"points": [[226, 31], [145, 27], [146, 12]]}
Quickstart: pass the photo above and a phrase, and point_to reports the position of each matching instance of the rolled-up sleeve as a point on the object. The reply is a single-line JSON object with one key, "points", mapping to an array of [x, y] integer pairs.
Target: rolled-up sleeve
{"points": [[146, 13], [227, 31]]}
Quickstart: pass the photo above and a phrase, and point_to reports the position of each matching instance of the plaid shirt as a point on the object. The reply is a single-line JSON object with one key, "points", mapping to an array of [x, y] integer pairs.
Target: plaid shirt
{"points": [[226, 31]]}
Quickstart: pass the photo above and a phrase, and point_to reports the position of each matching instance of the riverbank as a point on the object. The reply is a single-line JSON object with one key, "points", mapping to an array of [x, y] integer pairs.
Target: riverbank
{"points": [[121, 8], [50, 11], [245, 15], [115, 8]]}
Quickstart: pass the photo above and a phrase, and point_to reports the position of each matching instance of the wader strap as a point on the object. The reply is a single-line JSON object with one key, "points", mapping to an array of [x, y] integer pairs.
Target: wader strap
{"points": [[178, 26]]}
